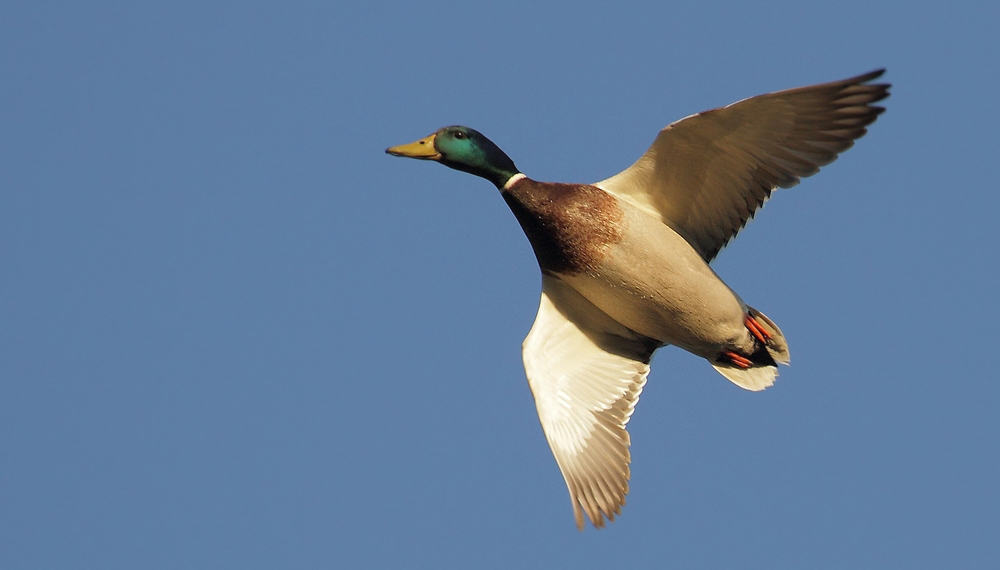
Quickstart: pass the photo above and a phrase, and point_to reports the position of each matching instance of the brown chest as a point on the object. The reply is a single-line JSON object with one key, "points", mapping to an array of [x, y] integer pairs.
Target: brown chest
{"points": [[570, 226]]}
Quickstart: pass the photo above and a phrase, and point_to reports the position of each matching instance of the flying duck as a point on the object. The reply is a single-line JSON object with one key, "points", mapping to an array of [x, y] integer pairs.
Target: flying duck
{"points": [[625, 262]]}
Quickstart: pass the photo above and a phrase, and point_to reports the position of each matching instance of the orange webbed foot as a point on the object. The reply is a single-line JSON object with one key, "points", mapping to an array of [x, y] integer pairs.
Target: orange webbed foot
{"points": [[737, 360], [757, 330]]}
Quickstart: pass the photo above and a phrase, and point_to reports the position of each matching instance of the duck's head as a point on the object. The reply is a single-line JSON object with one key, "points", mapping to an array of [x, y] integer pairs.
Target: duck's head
{"points": [[463, 149]]}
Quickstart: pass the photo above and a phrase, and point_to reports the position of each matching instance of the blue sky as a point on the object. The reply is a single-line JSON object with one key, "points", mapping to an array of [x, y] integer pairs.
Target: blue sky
{"points": [[235, 334]]}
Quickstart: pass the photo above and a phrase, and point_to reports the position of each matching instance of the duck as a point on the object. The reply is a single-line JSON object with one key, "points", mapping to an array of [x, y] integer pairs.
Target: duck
{"points": [[625, 262]]}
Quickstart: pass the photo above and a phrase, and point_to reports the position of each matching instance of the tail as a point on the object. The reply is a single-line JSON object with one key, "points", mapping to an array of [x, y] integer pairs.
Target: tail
{"points": [[765, 358]]}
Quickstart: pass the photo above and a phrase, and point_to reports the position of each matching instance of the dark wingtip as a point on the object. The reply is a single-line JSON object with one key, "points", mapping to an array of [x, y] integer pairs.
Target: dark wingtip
{"points": [[872, 74]]}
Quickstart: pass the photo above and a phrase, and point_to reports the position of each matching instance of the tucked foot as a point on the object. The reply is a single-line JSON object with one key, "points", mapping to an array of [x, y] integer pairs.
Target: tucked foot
{"points": [[757, 330], [735, 359]]}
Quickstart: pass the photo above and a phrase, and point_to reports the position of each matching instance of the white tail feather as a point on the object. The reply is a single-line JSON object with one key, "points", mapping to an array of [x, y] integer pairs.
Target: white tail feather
{"points": [[777, 346]]}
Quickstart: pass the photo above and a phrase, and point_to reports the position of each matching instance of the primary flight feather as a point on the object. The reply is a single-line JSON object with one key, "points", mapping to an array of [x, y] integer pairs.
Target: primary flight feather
{"points": [[625, 262]]}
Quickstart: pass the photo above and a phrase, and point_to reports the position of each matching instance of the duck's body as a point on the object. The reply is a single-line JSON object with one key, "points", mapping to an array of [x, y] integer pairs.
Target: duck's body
{"points": [[631, 266], [625, 262]]}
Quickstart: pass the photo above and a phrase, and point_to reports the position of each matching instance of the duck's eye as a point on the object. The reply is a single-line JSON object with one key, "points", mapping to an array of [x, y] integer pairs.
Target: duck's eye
{"points": [[459, 135]]}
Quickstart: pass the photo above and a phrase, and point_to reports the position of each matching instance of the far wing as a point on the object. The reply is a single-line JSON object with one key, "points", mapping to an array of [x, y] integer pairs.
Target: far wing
{"points": [[707, 174]]}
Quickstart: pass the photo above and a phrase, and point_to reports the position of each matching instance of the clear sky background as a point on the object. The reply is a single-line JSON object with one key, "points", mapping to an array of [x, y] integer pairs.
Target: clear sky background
{"points": [[235, 334]]}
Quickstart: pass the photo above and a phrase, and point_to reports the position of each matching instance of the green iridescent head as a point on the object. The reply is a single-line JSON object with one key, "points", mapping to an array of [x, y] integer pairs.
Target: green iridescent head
{"points": [[463, 149]]}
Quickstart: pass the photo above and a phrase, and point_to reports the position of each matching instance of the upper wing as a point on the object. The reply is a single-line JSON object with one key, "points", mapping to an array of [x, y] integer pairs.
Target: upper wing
{"points": [[707, 174], [586, 372]]}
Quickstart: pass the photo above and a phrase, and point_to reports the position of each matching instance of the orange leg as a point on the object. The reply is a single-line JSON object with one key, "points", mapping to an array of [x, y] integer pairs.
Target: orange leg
{"points": [[737, 360], [756, 330]]}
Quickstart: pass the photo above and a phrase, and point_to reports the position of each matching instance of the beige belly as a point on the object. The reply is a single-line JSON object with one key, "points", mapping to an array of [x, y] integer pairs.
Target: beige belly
{"points": [[655, 283]]}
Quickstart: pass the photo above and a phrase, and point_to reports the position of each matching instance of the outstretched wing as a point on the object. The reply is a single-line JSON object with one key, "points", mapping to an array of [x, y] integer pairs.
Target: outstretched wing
{"points": [[586, 372], [707, 174]]}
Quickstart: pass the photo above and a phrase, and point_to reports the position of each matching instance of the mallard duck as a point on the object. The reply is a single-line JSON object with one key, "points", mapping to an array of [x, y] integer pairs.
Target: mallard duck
{"points": [[625, 262]]}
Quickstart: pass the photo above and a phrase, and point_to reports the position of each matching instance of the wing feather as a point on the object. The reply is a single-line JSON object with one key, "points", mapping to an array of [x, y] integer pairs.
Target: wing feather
{"points": [[586, 372], [708, 174]]}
